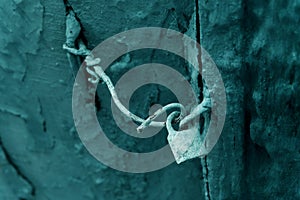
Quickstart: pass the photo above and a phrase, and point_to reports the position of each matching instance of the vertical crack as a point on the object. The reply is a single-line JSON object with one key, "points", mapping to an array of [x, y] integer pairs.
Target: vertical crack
{"points": [[75, 39], [198, 39], [205, 120], [73, 33], [41, 112], [17, 169], [197, 22], [205, 177]]}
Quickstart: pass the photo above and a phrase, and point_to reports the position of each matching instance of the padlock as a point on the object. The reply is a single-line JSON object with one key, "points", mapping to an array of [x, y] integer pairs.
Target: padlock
{"points": [[185, 144]]}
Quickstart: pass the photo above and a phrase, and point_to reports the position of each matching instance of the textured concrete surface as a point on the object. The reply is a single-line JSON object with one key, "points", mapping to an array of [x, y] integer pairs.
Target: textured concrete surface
{"points": [[44, 158], [256, 47]]}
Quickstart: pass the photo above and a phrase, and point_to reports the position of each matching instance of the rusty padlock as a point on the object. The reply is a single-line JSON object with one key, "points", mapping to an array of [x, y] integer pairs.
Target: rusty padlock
{"points": [[185, 144]]}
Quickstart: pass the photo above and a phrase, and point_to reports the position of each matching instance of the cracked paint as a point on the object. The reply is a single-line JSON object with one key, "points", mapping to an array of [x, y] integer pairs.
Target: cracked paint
{"points": [[22, 36]]}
